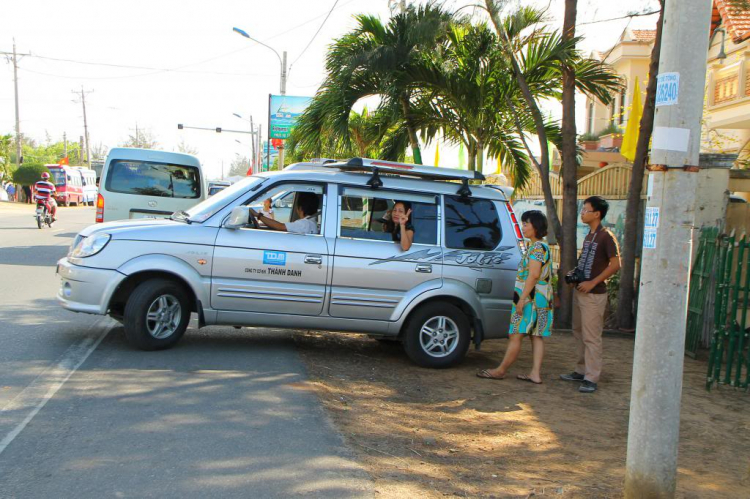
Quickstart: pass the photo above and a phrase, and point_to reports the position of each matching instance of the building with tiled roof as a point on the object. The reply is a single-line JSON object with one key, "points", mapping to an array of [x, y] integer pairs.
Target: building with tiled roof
{"points": [[732, 16], [644, 35], [727, 115], [630, 58]]}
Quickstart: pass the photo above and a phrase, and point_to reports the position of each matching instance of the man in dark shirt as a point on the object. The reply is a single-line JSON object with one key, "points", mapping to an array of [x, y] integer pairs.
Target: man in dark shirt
{"points": [[599, 260]]}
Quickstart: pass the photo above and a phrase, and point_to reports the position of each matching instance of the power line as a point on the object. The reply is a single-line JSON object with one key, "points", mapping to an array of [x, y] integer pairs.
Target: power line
{"points": [[154, 70], [135, 75], [313, 37], [629, 16], [305, 23]]}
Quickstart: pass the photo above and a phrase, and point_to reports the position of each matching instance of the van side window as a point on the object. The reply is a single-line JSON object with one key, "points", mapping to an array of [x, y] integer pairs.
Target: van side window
{"points": [[471, 224], [368, 217], [284, 199]]}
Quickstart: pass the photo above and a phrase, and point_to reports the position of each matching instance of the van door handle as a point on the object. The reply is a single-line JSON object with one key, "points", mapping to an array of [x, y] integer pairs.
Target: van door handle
{"points": [[314, 259], [426, 269]]}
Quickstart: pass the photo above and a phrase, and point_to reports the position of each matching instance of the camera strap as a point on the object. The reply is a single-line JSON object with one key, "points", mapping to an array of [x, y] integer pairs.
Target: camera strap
{"points": [[586, 254]]}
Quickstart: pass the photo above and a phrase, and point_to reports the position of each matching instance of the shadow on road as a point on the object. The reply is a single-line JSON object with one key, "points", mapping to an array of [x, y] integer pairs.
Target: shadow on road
{"points": [[221, 414], [38, 256]]}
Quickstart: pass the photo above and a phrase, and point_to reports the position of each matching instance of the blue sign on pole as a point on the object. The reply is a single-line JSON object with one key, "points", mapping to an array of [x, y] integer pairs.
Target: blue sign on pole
{"points": [[283, 113], [667, 89]]}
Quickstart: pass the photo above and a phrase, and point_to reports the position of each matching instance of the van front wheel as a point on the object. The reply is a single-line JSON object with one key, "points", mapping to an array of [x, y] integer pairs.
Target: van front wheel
{"points": [[437, 335], [156, 315]]}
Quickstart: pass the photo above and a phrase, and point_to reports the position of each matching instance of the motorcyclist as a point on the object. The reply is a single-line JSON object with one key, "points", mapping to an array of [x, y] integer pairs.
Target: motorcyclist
{"points": [[44, 191]]}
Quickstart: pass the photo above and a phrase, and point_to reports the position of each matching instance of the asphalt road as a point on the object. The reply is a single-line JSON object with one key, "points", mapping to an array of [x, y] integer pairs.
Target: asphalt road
{"points": [[82, 414]]}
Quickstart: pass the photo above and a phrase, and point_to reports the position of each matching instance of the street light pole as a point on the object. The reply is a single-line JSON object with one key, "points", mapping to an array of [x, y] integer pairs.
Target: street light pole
{"points": [[653, 432], [282, 86], [283, 92]]}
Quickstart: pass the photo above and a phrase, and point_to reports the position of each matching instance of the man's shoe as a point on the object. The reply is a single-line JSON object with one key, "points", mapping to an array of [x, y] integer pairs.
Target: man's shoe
{"points": [[571, 377], [587, 387]]}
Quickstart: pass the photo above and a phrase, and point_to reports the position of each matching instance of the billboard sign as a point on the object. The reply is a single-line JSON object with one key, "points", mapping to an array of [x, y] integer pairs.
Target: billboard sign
{"points": [[283, 113]]}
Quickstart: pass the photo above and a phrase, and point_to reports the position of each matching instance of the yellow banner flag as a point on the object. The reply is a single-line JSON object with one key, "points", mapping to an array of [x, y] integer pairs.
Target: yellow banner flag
{"points": [[632, 130], [437, 153]]}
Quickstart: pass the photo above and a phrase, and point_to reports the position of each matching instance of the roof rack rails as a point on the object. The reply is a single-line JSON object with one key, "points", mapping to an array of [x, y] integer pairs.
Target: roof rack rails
{"points": [[391, 167]]}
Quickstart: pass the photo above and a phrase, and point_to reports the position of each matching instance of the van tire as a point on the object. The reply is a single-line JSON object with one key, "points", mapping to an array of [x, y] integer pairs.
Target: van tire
{"points": [[165, 299], [455, 325]]}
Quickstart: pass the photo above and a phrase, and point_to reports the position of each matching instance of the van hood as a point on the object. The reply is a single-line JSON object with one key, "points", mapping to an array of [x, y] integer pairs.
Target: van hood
{"points": [[120, 227], [162, 230]]}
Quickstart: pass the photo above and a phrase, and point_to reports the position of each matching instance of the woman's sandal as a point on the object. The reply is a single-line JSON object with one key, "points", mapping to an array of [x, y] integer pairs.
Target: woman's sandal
{"points": [[485, 374], [524, 377]]}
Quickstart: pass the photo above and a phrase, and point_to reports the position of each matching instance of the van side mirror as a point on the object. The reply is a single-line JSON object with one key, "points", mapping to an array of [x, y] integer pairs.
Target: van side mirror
{"points": [[239, 217]]}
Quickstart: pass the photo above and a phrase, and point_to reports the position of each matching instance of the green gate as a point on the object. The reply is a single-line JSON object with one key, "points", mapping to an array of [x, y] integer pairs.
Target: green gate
{"points": [[728, 361], [701, 281]]}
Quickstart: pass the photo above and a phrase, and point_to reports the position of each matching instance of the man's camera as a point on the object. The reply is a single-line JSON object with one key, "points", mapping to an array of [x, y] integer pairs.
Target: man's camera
{"points": [[575, 276]]}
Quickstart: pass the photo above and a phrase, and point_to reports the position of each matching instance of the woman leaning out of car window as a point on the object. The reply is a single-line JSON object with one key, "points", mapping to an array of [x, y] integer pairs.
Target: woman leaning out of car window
{"points": [[401, 227]]}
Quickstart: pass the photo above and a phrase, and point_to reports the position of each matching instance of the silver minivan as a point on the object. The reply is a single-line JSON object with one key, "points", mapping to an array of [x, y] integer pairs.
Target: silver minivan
{"points": [[454, 285]]}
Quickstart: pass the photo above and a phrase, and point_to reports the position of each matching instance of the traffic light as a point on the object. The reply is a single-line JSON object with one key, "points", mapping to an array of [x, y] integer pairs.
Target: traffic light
{"points": [[179, 126], [218, 129]]}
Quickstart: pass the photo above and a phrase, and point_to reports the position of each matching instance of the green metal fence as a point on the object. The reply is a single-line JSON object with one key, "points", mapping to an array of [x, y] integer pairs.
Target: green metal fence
{"points": [[702, 282], [729, 361]]}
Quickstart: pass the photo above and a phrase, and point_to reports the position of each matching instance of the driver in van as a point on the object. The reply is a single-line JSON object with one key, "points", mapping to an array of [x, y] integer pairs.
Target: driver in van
{"points": [[306, 223]]}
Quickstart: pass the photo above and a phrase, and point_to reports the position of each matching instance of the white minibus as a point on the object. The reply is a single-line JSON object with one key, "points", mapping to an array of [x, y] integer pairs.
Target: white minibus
{"points": [[143, 183]]}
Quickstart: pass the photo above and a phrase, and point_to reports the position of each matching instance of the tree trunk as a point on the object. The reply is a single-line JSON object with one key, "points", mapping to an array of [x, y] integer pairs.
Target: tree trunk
{"points": [[480, 156], [568, 243], [630, 242], [544, 166], [472, 153], [413, 139]]}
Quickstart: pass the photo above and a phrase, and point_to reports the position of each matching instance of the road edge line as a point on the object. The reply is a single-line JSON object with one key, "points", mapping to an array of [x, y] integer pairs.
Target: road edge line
{"points": [[63, 364]]}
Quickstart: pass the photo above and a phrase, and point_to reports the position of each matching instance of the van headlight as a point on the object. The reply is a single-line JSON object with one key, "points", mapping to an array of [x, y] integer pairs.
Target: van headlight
{"points": [[89, 246]]}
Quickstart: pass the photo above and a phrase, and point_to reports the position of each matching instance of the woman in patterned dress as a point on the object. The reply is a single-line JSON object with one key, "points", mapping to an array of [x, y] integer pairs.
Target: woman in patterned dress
{"points": [[531, 314]]}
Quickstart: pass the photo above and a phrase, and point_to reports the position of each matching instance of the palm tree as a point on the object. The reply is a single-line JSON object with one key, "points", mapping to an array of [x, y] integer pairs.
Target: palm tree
{"points": [[375, 60], [366, 132], [462, 94], [537, 58]]}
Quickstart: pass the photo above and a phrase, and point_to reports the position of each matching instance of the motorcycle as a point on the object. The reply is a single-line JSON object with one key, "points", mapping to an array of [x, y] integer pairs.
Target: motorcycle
{"points": [[43, 215]]}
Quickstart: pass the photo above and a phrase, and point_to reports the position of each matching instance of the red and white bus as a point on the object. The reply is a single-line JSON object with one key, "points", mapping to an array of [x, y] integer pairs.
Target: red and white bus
{"points": [[68, 183]]}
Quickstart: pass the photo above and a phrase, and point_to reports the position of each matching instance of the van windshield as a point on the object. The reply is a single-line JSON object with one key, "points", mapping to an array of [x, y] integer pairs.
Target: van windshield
{"points": [[149, 178], [206, 209]]}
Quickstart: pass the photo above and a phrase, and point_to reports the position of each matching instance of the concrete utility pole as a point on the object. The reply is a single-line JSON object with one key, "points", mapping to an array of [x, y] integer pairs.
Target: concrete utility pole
{"points": [[85, 125], [65, 144], [283, 92], [653, 432], [260, 146], [252, 143], [19, 158]]}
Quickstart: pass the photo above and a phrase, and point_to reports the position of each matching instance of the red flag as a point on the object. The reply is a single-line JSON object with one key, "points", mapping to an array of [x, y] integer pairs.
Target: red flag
{"points": [[249, 171], [65, 161]]}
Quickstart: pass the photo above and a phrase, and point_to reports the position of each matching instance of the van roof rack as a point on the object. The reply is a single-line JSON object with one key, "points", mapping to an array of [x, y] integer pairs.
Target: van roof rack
{"points": [[375, 166], [396, 168]]}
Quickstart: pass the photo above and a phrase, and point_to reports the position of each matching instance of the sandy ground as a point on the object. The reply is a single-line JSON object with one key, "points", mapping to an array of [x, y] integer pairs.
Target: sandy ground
{"points": [[435, 433]]}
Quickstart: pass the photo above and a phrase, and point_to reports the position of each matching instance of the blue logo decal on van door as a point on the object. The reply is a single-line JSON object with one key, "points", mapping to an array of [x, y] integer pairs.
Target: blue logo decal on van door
{"points": [[274, 257]]}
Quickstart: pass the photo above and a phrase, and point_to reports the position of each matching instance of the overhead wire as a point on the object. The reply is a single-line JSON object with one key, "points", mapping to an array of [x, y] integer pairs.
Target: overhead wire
{"points": [[315, 35], [178, 69]]}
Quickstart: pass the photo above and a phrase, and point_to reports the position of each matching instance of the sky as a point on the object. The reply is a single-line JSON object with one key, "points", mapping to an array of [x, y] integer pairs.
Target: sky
{"points": [[156, 63]]}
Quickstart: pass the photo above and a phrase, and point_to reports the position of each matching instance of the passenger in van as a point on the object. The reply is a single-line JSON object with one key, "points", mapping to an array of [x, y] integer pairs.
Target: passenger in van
{"points": [[307, 211], [400, 226]]}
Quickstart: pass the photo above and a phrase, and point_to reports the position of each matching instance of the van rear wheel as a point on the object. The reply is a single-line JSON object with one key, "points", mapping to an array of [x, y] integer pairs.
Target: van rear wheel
{"points": [[156, 314], [437, 335]]}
